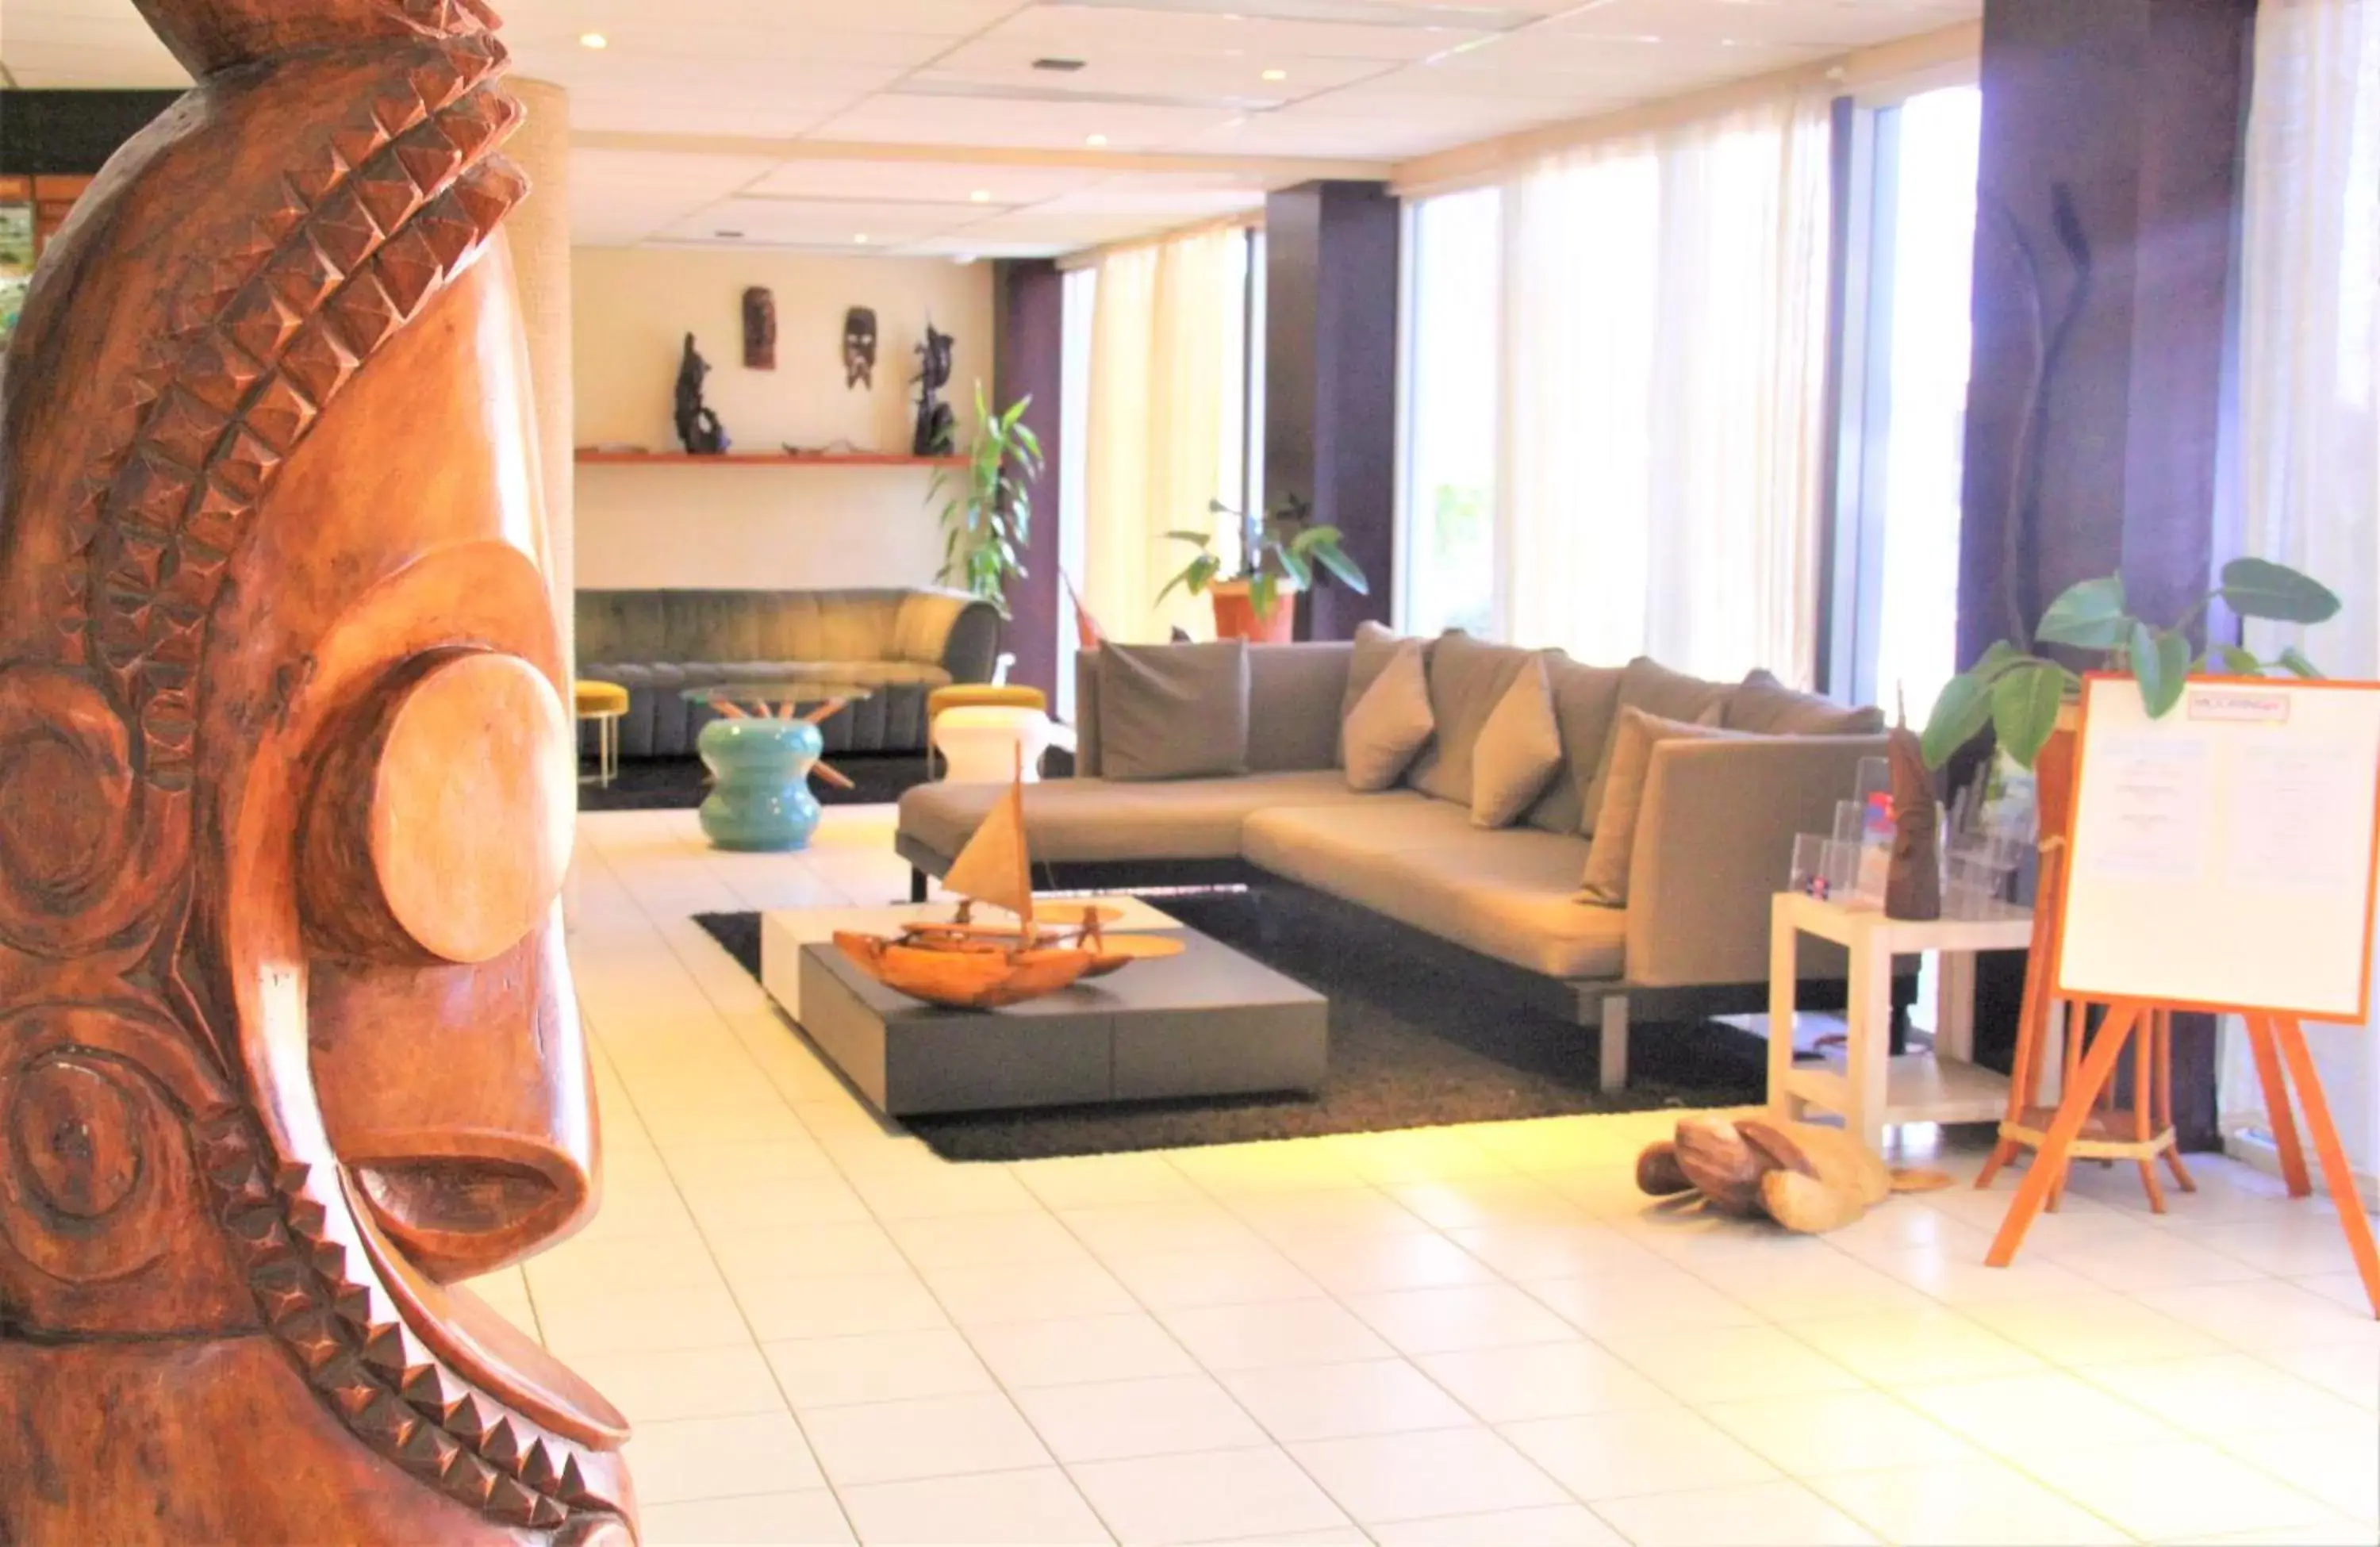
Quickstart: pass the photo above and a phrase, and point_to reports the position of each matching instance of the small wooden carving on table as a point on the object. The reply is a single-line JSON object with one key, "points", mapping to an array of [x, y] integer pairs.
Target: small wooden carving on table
{"points": [[937, 432], [288, 1049], [759, 329], [1912, 879]]}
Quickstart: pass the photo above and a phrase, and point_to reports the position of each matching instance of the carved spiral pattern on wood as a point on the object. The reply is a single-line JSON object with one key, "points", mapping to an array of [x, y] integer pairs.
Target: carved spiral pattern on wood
{"points": [[95, 1162], [69, 815]]}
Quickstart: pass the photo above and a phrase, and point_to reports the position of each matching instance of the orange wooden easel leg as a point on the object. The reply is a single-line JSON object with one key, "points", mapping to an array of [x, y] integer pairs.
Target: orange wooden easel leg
{"points": [[2261, 1039], [2032, 1022], [2073, 1110], [2335, 1168]]}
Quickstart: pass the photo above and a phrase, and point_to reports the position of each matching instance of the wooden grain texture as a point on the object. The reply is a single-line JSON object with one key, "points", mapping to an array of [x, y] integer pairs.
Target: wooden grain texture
{"points": [[287, 1041]]}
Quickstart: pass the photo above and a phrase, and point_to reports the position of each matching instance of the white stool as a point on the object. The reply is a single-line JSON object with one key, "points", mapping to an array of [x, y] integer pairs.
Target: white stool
{"points": [[979, 744]]}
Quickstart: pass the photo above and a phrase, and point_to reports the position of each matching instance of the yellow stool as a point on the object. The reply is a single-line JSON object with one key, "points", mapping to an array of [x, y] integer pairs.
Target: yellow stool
{"points": [[977, 695], [603, 702]]}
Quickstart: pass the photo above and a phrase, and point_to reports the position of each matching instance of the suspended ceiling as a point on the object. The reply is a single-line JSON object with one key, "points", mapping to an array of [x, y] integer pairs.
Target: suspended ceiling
{"points": [[925, 128]]}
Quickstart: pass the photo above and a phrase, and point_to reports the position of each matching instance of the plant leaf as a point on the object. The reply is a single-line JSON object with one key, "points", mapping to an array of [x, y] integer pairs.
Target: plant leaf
{"points": [[2089, 616], [2259, 588], [1960, 715], [2161, 664], [1299, 570], [1264, 593], [2232, 658], [1346, 571], [2024, 707], [2293, 661], [1200, 538]]}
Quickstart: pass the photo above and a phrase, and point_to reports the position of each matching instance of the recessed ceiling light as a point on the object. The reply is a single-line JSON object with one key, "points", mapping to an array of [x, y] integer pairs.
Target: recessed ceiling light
{"points": [[861, 239], [964, 258], [979, 196], [1095, 140], [1276, 74], [594, 40], [729, 236], [1064, 66]]}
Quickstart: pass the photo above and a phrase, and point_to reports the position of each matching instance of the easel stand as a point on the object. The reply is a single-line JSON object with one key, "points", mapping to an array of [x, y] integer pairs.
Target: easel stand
{"points": [[2278, 1042], [2223, 857]]}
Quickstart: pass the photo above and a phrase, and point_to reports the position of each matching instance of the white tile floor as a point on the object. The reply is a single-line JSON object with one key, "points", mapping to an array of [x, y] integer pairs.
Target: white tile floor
{"points": [[1477, 1337]]}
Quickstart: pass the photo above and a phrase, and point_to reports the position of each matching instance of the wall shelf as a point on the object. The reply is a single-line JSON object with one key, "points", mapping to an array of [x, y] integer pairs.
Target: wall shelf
{"points": [[588, 457]]}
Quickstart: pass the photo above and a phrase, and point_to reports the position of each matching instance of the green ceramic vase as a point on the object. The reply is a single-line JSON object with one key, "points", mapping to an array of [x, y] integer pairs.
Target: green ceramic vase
{"points": [[760, 796]]}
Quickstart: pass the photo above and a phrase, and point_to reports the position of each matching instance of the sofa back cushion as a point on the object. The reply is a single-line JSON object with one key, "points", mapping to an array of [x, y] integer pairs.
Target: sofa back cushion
{"points": [[1467, 678], [1767, 707], [1296, 692], [1587, 700], [682, 625], [1173, 712], [1648, 685]]}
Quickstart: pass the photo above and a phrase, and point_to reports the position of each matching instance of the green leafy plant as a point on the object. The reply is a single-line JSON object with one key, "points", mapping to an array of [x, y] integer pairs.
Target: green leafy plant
{"points": [[1283, 546], [2019, 693], [988, 517]]}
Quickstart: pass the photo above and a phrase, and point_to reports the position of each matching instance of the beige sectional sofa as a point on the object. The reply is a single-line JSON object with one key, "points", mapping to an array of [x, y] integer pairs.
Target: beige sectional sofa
{"points": [[1715, 829]]}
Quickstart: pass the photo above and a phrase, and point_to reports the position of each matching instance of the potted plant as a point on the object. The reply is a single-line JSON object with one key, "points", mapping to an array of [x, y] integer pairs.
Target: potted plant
{"points": [[988, 519], [1278, 555], [2025, 697]]}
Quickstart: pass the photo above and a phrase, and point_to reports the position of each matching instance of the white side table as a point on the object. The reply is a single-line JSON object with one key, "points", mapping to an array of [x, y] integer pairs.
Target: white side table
{"points": [[1867, 1087], [981, 743]]}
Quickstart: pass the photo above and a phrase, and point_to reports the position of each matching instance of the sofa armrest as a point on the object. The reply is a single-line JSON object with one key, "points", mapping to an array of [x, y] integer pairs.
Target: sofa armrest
{"points": [[1715, 843], [973, 648]]}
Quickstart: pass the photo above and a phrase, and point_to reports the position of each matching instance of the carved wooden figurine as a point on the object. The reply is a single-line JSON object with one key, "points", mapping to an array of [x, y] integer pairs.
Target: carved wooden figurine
{"points": [[287, 1044]]}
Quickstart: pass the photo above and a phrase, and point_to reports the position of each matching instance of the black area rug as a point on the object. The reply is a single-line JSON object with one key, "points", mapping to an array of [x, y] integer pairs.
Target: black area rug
{"points": [[679, 784], [1409, 1048]]}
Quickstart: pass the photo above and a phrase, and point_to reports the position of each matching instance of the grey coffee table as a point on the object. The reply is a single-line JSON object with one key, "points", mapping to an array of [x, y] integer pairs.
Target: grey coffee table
{"points": [[1208, 1022]]}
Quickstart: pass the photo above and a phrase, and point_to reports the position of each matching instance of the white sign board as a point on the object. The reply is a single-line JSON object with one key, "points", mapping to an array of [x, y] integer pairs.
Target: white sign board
{"points": [[2223, 856]]}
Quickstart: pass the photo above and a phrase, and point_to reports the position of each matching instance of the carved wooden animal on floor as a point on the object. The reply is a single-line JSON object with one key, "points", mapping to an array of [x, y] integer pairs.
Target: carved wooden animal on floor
{"points": [[287, 1043], [1804, 1177]]}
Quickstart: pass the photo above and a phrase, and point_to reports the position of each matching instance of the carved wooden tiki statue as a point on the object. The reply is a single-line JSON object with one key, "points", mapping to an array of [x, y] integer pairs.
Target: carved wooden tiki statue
{"points": [[287, 1043]]}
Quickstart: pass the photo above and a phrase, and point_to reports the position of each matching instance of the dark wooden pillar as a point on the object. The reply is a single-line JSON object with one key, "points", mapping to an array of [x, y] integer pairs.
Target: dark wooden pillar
{"points": [[1028, 360], [1330, 380], [2113, 126]]}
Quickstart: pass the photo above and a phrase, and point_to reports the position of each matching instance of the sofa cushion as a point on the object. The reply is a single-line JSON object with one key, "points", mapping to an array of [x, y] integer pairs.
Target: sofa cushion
{"points": [[1767, 707], [1519, 749], [1389, 723], [1467, 678], [1605, 881], [1173, 712], [1087, 820], [922, 624], [1587, 700], [1511, 894], [1648, 685], [1375, 646], [1297, 698]]}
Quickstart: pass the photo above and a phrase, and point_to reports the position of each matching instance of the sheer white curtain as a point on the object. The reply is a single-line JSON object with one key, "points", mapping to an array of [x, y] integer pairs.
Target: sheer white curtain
{"points": [[1168, 389], [1664, 328], [2309, 358]]}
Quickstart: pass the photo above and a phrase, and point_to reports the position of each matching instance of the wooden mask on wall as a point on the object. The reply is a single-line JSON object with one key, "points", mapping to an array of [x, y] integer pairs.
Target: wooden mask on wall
{"points": [[759, 329], [287, 1042], [859, 347]]}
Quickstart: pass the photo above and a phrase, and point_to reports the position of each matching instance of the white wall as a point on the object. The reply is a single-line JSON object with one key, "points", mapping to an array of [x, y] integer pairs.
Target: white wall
{"points": [[763, 528]]}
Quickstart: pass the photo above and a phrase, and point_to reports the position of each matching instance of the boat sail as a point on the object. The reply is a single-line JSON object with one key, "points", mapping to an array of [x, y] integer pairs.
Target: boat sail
{"points": [[965, 965]]}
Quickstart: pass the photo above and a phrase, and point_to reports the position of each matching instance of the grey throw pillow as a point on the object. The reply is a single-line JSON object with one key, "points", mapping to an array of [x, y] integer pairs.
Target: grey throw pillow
{"points": [[1517, 752], [1614, 849], [1391, 722], [1173, 712]]}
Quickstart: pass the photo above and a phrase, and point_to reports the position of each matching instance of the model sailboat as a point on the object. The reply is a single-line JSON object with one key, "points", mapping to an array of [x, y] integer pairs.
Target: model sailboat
{"points": [[965, 965]]}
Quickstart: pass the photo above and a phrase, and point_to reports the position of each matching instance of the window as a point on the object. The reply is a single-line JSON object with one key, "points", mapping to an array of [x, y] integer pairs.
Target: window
{"points": [[1906, 352], [1449, 560]]}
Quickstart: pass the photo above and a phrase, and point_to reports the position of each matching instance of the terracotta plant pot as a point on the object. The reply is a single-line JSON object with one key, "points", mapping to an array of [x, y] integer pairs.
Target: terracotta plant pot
{"points": [[1235, 615]]}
